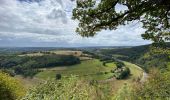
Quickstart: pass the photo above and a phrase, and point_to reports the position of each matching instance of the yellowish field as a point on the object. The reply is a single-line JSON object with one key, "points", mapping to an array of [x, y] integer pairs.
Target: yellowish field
{"points": [[79, 54], [32, 54], [68, 52]]}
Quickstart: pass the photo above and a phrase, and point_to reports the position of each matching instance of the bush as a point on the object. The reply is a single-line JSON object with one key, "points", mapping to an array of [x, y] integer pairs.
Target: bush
{"points": [[58, 76], [65, 89], [124, 93], [9, 72], [10, 89], [119, 64], [123, 74], [156, 87]]}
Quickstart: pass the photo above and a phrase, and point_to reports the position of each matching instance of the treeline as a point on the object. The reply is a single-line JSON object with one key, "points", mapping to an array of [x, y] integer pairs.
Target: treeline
{"points": [[128, 54], [28, 65], [143, 56], [121, 71]]}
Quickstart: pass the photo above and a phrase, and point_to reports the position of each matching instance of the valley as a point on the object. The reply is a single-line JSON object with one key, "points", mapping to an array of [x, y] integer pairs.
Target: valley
{"points": [[102, 68], [91, 68]]}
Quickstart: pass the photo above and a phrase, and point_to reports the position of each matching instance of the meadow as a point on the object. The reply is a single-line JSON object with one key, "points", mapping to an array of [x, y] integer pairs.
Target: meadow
{"points": [[90, 69]]}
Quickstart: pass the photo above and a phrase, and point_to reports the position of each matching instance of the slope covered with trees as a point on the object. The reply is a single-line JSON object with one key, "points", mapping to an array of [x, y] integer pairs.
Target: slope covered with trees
{"points": [[29, 65], [145, 56]]}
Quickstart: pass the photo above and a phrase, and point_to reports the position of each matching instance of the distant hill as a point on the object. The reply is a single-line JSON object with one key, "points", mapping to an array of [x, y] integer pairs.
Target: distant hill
{"points": [[140, 55]]}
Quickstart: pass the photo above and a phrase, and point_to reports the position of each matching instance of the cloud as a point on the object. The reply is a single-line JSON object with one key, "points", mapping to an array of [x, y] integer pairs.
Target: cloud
{"points": [[39, 22]]}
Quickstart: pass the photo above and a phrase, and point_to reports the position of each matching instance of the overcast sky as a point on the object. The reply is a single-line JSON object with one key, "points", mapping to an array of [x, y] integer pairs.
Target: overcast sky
{"points": [[48, 23]]}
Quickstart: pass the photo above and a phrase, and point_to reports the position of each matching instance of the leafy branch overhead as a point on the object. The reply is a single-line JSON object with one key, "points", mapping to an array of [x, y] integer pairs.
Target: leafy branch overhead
{"points": [[94, 17]]}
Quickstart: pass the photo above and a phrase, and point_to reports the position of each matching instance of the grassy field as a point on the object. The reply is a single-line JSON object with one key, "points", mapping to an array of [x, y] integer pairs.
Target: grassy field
{"points": [[88, 70], [136, 72], [91, 69]]}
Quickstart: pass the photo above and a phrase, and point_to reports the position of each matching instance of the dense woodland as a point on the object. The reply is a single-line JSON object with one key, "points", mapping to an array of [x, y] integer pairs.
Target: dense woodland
{"points": [[29, 65]]}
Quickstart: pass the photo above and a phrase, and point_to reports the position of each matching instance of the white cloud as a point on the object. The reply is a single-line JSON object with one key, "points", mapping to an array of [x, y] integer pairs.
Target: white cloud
{"points": [[49, 21]]}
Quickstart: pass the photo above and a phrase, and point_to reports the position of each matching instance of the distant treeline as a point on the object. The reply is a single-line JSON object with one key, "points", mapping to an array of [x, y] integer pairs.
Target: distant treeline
{"points": [[140, 55], [30, 64]]}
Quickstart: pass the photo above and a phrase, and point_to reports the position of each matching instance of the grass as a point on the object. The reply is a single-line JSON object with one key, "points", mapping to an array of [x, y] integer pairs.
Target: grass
{"points": [[28, 82], [110, 65], [90, 69], [136, 72]]}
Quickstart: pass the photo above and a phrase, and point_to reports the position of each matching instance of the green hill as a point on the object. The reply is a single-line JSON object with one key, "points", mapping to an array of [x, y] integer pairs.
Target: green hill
{"points": [[143, 56]]}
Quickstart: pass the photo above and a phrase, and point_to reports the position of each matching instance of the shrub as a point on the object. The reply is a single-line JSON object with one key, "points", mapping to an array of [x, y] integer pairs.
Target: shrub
{"points": [[119, 64], [58, 76], [9, 72], [124, 73], [156, 87], [65, 89], [10, 89], [124, 93]]}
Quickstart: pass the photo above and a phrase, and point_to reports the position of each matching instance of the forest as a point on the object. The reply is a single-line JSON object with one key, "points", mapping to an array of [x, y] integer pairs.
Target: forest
{"points": [[28, 65]]}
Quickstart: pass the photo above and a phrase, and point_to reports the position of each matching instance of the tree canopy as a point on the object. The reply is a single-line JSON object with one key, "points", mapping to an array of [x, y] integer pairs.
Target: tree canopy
{"points": [[96, 15]]}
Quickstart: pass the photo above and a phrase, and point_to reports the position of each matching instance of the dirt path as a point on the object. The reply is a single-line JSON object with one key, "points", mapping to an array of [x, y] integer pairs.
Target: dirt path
{"points": [[144, 77]]}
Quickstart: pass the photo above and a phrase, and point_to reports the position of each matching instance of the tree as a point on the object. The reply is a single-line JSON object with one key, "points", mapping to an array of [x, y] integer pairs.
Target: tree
{"points": [[10, 89], [119, 64], [58, 76], [94, 17]]}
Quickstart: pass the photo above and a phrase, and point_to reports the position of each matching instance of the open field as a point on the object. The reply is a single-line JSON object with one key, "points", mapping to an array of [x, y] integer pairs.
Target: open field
{"points": [[136, 71], [91, 69], [78, 54]]}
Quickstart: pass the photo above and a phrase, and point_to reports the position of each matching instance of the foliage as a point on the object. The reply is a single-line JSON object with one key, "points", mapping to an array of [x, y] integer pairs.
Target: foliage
{"points": [[67, 89], [28, 65], [145, 56], [89, 69], [122, 73], [124, 93], [119, 64], [157, 87], [154, 14], [9, 72], [58, 76], [38, 61], [10, 89]]}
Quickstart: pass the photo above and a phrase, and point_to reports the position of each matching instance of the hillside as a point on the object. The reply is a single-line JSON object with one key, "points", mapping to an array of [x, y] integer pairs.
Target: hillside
{"points": [[143, 56]]}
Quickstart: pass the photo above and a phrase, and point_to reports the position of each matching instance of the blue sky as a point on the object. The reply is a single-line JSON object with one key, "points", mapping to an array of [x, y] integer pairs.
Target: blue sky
{"points": [[48, 23]]}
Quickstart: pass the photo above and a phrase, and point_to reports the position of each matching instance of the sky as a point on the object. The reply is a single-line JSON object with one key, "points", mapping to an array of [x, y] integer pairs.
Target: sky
{"points": [[48, 23]]}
